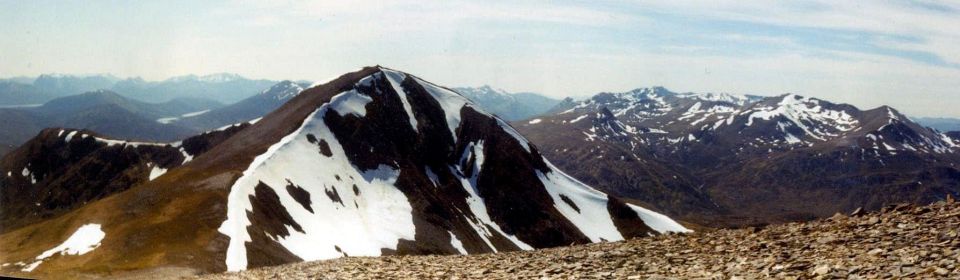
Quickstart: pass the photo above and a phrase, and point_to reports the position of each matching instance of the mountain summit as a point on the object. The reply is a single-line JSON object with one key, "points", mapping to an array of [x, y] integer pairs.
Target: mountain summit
{"points": [[375, 162]]}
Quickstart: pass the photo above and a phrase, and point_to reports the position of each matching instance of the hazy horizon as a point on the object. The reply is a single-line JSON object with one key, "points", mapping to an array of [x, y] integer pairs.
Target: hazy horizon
{"points": [[899, 53]]}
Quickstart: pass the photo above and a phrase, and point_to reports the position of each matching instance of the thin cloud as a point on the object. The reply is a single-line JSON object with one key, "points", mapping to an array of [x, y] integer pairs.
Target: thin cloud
{"points": [[933, 23]]}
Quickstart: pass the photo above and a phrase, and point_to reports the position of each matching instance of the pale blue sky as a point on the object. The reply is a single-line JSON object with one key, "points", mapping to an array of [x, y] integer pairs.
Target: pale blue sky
{"points": [[867, 53]]}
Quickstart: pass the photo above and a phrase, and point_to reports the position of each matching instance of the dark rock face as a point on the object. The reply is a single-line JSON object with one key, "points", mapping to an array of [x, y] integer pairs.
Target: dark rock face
{"points": [[725, 160], [270, 214]]}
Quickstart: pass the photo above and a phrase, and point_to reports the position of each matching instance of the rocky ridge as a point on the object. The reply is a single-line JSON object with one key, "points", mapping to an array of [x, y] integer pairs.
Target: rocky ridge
{"points": [[900, 241]]}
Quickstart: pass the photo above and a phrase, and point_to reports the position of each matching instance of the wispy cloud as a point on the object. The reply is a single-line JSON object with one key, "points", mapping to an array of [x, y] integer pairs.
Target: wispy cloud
{"points": [[899, 52], [930, 26]]}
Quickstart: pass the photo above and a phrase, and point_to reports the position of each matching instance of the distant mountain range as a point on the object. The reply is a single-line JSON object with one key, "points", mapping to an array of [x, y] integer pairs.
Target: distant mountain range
{"points": [[509, 106], [104, 111], [942, 124], [729, 160], [118, 116], [223, 88], [247, 109]]}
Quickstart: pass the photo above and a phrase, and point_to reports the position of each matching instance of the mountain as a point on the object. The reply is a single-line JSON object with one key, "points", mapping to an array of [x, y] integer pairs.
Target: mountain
{"points": [[509, 106], [729, 160], [63, 169], [58, 85], [16, 93], [250, 108], [375, 162], [224, 88], [953, 135], [69, 104], [25, 91], [19, 79], [18, 126], [103, 111], [942, 124]]}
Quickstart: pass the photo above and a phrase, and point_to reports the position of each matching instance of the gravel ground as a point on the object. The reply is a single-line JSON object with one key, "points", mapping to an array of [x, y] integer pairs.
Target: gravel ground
{"points": [[900, 241]]}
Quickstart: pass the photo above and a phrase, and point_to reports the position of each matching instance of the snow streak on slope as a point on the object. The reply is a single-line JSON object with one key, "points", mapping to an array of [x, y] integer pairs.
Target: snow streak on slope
{"points": [[156, 171], [366, 219], [450, 102], [396, 79], [482, 222], [657, 221], [586, 208]]}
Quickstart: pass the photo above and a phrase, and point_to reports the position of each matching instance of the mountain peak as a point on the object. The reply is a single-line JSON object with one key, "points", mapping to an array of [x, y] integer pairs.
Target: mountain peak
{"points": [[283, 90], [210, 78], [375, 126]]}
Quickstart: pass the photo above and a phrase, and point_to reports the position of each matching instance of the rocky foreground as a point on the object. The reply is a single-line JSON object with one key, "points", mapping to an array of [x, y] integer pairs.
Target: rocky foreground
{"points": [[900, 241]]}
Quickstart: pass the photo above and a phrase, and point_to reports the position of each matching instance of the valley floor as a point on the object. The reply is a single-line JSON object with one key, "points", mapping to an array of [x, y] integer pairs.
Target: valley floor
{"points": [[897, 242]]}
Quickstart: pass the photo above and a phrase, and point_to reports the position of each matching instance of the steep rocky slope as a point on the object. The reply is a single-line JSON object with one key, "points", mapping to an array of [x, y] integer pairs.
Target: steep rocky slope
{"points": [[902, 242]]}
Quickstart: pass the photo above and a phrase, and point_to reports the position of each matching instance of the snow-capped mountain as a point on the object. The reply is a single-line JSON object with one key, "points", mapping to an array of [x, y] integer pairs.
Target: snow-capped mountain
{"points": [[374, 162], [710, 141], [283, 91], [211, 78], [509, 106], [247, 109], [224, 87]]}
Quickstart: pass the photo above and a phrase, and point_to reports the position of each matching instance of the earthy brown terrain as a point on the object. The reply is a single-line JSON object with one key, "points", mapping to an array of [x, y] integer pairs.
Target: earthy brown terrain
{"points": [[903, 241]]}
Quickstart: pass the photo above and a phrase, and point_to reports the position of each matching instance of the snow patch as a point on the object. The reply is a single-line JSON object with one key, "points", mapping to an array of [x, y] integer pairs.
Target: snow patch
{"points": [[456, 243], [156, 171], [578, 118], [451, 102], [658, 222], [589, 210], [376, 217], [350, 102], [82, 241], [395, 79], [70, 136], [481, 221]]}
